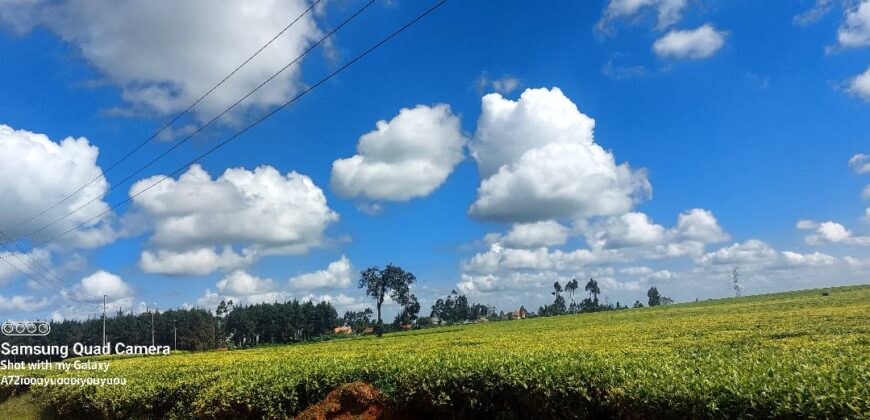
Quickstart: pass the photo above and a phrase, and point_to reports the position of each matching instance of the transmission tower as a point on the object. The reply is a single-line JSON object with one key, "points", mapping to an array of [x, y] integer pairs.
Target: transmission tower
{"points": [[735, 282]]}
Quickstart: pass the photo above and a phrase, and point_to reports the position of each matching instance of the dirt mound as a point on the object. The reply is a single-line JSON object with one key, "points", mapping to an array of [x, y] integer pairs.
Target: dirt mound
{"points": [[357, 400]]}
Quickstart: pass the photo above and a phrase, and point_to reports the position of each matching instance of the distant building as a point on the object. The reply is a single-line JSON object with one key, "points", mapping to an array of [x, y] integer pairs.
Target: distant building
{"points": [[344, 329], [519, 314], [406, 326], [368, 330]]}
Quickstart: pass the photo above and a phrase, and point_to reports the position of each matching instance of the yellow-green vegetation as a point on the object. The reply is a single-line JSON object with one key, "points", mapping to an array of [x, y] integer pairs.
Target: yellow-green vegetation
{"points": [[799, 354], [19, 407]]}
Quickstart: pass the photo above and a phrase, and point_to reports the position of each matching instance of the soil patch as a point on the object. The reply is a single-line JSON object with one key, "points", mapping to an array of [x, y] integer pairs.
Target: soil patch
{"points": [[356, 400]]}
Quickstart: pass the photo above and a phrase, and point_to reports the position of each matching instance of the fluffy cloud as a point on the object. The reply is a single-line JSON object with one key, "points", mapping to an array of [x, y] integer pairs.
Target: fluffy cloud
{"points": [[808, 260], [261, 211], [756, 253], [855, 30], [120, 296], [835, 233], [37, 257], [164, 54], [693, 44], [630, 229], [511, 263], [695, 228], [539, 161], [337, 275], [244, 288], [104, 283], [860, 163], [407, 157], [752, 251], [860, 86], [37, 173], [532, 235], [700, 225], [645, 273], [194, 262], [15, 304], [242, 283], [668, 12], [512, 281]]}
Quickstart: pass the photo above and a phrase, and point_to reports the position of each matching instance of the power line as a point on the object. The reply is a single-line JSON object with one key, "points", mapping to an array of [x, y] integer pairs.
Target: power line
{"points": [[167, 125], [255, 123], [58, 282], [46, 284], [206, 125]]}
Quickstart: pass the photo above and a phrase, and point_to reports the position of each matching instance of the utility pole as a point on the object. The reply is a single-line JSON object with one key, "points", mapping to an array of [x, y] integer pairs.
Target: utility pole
{"points": [[104, 320], [174, 336]]}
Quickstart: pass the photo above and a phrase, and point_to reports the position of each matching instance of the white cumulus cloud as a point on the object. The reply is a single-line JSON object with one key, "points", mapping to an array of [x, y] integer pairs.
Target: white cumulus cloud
{"points": [[860, 86], [36, 173], [262, 212], [244, 288], [15, 304], [809, 260], [855, 30], [35, 258], [164, 54], [407, 157], [752, 251], [194, 262], [532, 235], [242, 283], [694, 44], [539, 161], [104, 283], [835, 233], [337, 275]]}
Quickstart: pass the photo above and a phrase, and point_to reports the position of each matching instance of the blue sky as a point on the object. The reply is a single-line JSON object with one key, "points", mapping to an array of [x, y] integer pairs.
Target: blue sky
{"points": [[758, 123]]}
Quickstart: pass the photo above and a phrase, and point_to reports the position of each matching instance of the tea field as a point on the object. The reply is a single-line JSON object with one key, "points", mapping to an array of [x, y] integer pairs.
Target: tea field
{"points": [[797, 354]]}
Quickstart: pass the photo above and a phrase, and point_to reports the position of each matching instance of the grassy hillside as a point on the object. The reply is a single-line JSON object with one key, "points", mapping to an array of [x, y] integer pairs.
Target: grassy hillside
{"points": [[789, 354]]}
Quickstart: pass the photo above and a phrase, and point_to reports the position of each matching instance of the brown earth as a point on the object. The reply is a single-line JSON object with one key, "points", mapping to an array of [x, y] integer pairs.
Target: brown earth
{"points": [[356, 400]]}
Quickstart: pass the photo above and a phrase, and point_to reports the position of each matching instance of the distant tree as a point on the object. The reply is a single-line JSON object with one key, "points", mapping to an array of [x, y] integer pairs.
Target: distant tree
{"points": [[637, 304], [358, 321], [557, 289], [572, 287], [409, 312], [559, 306], [391, 281], [221, 309], [456, 309], [655, 298], [555, 308], [594, 291], [666, 300]]}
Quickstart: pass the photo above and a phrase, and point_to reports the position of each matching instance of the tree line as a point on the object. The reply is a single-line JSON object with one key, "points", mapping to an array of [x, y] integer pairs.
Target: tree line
{"points": [[240, 326]]}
